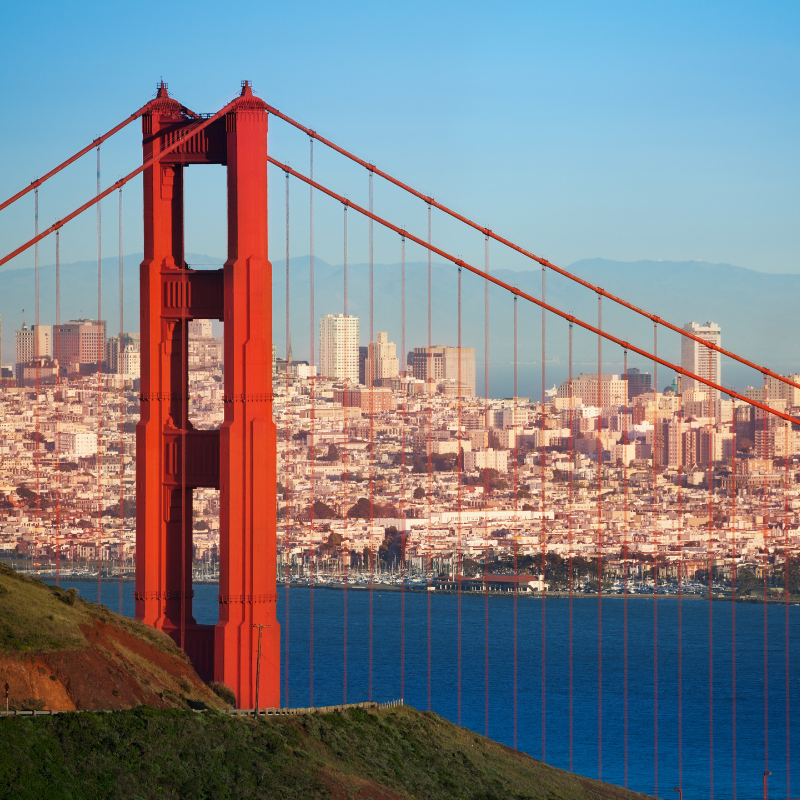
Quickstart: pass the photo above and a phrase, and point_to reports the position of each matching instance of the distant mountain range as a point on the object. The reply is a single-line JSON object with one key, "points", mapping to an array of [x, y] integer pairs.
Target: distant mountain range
{"points": [[758, 312]]}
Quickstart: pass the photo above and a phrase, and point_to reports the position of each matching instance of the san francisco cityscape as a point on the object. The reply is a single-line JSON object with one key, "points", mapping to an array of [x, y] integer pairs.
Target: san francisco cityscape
{"points": [[400, 402]]}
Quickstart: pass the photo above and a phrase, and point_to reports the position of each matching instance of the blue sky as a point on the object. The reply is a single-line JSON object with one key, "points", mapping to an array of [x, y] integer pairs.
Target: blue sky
{"points": [[579, 129]]}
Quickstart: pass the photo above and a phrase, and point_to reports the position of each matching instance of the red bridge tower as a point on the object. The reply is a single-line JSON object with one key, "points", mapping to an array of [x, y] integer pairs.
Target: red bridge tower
{"points": [[172, 458]]}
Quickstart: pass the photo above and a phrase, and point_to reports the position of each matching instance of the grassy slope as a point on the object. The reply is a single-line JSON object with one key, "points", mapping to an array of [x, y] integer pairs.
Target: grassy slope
{"points": [[394, 753], [35, 619], [102, 659]]}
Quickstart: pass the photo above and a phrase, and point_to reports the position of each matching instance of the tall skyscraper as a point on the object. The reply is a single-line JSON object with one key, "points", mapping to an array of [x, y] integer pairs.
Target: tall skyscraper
{"points": [[32, 343], [80, 344], [441, 364], [338, 347], [699, 359], [381, 360]]}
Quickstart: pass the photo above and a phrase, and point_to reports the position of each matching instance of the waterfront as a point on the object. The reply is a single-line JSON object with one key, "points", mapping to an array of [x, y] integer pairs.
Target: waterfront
{"points": [[386, 678]]}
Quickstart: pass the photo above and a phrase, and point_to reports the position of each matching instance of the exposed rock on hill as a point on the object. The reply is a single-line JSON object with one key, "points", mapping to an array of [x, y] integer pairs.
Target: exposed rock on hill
{"points": [[59, 652]]}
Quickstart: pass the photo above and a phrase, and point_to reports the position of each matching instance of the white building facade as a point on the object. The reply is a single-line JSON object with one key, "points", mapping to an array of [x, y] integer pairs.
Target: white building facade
{"points": [[338, 347], [701, 360]]}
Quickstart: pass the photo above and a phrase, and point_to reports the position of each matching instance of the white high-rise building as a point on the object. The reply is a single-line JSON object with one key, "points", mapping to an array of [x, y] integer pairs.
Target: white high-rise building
{"points": [[338, 347], [701, 360], [33, 342]]}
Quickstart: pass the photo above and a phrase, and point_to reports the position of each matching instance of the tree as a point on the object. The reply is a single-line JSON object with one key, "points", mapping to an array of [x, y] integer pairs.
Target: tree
{"points": [[523, 494], [333, 453], [202, 525], [419, 493], [323, 511], [746, 580], [361, 510], [744, 444], [333, 543], [128, 508]]}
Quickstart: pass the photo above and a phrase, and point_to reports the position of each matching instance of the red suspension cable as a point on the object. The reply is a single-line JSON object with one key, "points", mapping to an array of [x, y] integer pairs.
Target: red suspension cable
{"points": [[96, 143], [516, 248], [552, 309]]}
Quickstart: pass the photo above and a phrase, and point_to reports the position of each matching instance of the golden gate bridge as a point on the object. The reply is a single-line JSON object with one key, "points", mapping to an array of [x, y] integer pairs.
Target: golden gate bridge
{"points": [[173, 459]]}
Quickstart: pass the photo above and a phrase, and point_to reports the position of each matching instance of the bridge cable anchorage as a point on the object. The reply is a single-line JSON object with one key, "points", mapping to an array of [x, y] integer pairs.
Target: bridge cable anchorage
{"points": [[121, 372], [311, 451], [100, 338], [287, 466], [552, 309], [522, 251], [82, 152], [179, 140]]}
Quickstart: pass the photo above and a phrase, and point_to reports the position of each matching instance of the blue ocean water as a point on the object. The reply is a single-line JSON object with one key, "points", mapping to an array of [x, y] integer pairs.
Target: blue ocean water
{"points": [[655, 748]]}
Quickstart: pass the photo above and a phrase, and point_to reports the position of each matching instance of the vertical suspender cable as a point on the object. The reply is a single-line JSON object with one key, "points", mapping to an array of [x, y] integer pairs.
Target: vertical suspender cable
{"points": [[543, 531], [765, 530], [287, 500], [98, 457], [486, 495], [404, 534], [371, 384], [460, 473], [625, 574], [516, 518], [569, 535], [56, 354], [186, 507], [430, 387], [786, 601], [600, 541], [312, 448], [711, 565], [37, 406], [345, 442], [655, 560], [733, 602], [121, 348], [680, 586]]}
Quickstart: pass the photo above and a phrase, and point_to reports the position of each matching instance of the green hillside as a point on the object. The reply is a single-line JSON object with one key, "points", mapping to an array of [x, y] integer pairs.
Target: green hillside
{"points": [[391, 753]]}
